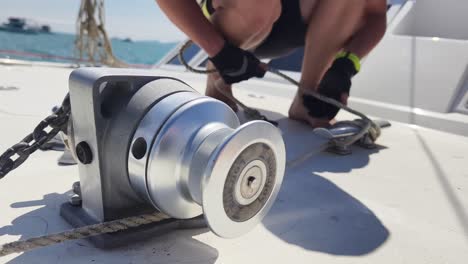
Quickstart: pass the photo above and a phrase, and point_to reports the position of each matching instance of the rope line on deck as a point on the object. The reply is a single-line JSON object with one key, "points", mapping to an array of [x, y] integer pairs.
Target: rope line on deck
{"points": [[81, 232]]}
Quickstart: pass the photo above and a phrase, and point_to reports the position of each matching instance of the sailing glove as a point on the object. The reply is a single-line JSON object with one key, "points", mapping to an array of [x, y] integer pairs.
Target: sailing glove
{"points": [[335, 83], [236, 65]]}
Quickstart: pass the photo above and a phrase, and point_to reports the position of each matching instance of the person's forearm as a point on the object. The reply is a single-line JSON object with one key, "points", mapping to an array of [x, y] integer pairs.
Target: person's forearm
{"points": [[368, 36], [188, 17]]}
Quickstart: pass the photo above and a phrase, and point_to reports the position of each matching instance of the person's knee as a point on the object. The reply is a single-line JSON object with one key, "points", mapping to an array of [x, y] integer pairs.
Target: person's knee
{"points": [[357, 7], [247, 18], [260, 14]]}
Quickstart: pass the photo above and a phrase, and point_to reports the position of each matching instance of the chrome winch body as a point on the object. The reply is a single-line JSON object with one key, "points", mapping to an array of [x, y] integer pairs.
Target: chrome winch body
{"points": [[149, 143]]}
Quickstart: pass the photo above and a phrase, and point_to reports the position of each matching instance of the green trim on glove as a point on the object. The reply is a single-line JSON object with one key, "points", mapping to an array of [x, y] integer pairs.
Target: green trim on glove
{"points": [[352, 57]]}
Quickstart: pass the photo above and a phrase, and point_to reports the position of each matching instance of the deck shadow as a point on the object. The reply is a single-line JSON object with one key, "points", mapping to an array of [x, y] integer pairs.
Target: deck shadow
{"points": [[174, 247], [317, 215], [314, 213]]}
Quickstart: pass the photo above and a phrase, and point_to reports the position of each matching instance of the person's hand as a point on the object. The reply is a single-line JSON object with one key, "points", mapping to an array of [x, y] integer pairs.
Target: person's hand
{"points": [[236, 65], [336, 84]]}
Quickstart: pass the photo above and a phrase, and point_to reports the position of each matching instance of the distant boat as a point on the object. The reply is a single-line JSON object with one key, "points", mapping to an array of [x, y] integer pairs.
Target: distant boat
{"points": [[20, 25], [128, 40], [45, 29]]}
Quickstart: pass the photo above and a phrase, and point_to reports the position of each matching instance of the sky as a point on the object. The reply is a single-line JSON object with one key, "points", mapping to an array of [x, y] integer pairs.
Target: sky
{"points": [[136, 19]]}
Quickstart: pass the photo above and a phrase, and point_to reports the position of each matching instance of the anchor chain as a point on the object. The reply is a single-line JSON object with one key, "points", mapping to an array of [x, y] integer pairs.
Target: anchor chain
{"points": [[57, 122]]}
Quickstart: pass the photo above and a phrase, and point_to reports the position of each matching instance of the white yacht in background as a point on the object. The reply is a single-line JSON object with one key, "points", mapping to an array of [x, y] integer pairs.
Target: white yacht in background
{"points": [[403, 202], [22, 25]]}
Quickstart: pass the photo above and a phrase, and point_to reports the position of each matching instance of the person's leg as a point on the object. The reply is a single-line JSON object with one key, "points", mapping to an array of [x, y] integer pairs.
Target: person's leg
{"points": [[331, 24], [244, 23]]}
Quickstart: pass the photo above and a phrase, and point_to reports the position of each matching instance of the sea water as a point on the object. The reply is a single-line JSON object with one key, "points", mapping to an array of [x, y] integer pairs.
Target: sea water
{"points": [[45, 47]]}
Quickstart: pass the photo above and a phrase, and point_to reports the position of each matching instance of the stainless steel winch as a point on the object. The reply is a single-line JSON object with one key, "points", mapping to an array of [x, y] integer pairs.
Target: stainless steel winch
{"points": [[149, 143]]}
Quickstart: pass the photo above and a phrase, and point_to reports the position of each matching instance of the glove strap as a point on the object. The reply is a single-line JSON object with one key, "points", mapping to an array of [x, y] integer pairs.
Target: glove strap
{"points": [[352, 57], [207, 8]]}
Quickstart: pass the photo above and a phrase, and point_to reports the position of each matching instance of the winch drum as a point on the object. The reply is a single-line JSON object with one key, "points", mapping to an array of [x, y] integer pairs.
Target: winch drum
{"points": [[157, 143]]}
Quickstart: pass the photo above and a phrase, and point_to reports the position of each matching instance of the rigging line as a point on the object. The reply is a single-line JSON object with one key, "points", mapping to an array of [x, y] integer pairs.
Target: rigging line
{"points": [[368, 125]]}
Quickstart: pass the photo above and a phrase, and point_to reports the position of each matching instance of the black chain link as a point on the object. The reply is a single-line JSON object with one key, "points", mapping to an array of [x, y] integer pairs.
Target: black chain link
{"points": [[37, 139]]}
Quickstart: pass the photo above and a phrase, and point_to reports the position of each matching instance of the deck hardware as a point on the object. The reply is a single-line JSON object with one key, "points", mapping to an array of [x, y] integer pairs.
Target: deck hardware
{"points": [[75, 200], [337, 136], [168, 148]]}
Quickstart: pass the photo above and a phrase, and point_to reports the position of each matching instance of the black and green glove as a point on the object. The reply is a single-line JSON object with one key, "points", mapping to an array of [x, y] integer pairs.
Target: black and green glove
{"points": [[236, 65], [335, 83]]}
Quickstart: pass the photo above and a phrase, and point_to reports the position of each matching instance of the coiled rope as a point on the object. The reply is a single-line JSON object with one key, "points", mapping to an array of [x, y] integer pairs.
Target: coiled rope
{"points": [[366, 125]]}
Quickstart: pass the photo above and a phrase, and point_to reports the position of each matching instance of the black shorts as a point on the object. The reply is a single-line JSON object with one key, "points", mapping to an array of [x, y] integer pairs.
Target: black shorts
{"points": [[287, 34]]}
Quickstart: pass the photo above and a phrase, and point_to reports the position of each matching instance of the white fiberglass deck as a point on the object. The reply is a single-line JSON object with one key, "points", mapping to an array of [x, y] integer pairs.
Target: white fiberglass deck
{"points": [[406, 202]]}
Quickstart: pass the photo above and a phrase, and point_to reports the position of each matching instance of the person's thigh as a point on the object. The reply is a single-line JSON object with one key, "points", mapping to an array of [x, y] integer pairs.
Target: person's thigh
{"points": [[307, 8]]}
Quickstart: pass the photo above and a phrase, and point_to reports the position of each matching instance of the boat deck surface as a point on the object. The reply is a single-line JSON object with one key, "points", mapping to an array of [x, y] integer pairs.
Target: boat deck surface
{"points": [[404, 202]]}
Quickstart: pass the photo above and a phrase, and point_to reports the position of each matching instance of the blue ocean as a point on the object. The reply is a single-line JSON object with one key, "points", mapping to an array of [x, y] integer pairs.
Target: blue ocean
{"points": [[58, 46]]}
